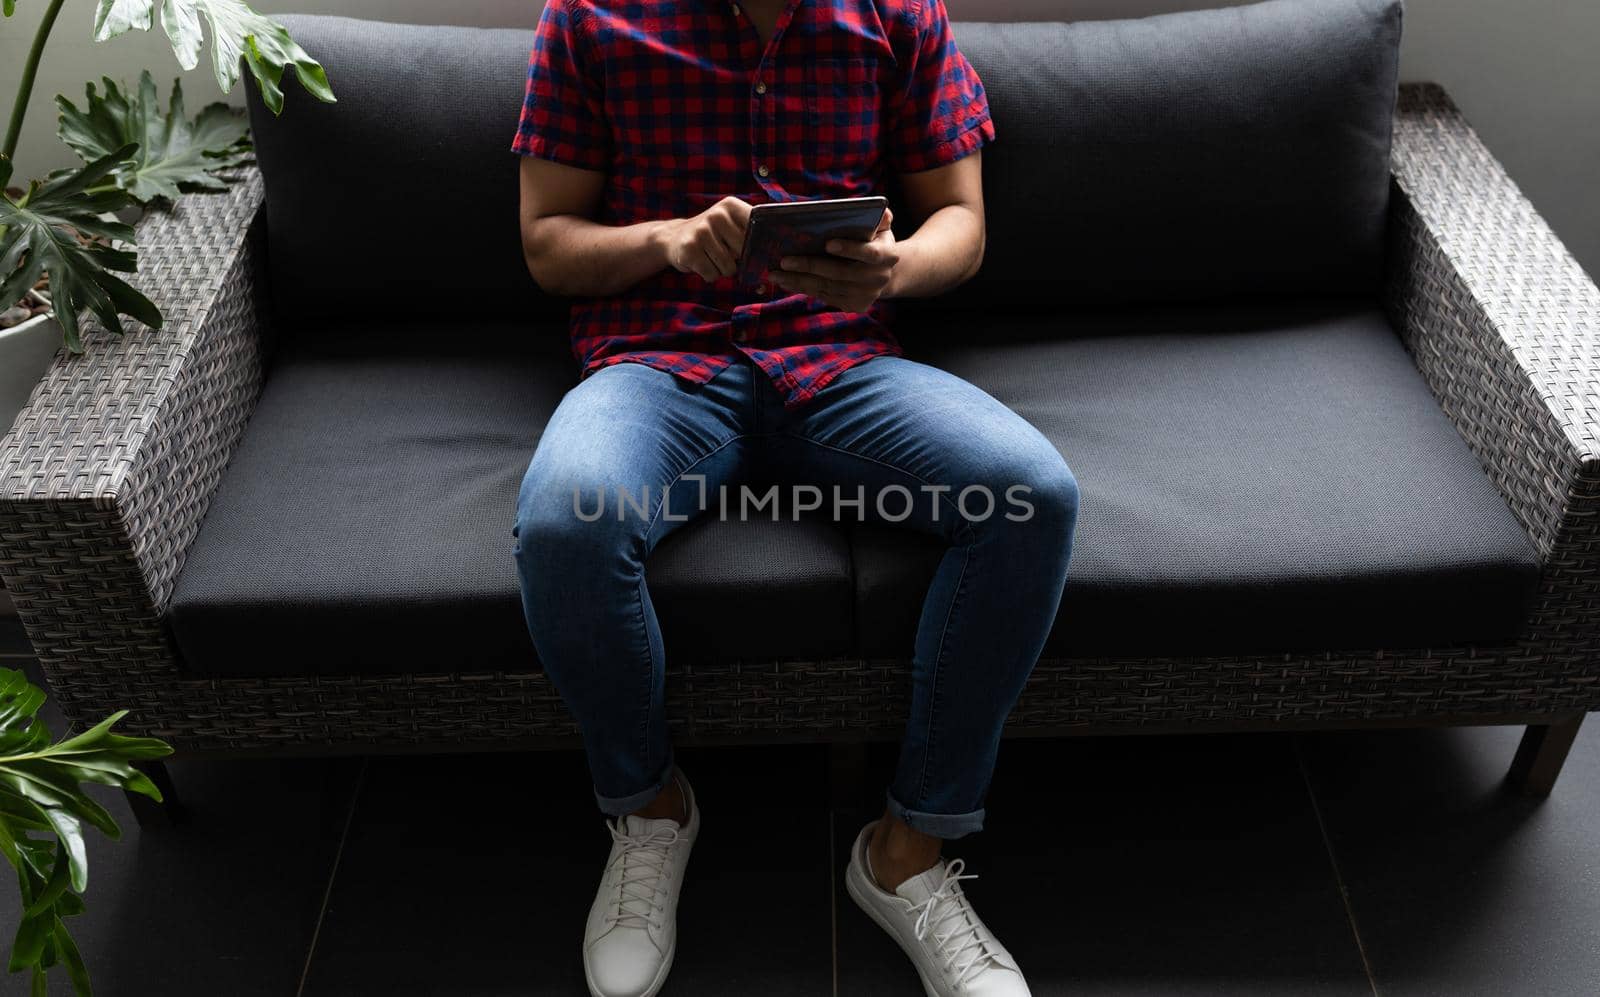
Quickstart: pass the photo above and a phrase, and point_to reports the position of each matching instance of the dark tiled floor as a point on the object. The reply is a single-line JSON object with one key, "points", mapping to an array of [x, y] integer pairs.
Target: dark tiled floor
{"points": [[472, 874], [1172, 865], [1460, 888], [1161, 866]]}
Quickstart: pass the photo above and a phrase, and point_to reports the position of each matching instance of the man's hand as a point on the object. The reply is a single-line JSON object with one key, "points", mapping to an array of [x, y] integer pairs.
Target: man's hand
{"points": [[851, 277], [709, 243]]}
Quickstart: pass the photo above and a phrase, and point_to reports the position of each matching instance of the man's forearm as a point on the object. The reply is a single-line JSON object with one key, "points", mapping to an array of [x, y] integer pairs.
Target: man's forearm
{"points": [[946, 251], [575, 257]]}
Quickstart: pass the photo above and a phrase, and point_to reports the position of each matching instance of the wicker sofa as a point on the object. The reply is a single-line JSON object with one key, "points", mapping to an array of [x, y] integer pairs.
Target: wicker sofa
{"points": [[1304, 505]]}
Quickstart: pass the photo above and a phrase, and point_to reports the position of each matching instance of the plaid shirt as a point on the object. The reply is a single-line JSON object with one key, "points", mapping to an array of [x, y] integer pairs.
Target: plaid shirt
{"points": [[681, 104]]}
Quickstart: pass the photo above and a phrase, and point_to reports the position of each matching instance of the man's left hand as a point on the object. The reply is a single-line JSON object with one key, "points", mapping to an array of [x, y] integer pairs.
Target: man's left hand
{"points": [[851, 277]]}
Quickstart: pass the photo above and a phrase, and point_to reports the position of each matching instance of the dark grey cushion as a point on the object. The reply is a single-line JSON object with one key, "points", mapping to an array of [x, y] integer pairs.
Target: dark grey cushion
{"points": [[1202, 155], [364, 525], [1191, 156], [1251, 479], [403, 195]]}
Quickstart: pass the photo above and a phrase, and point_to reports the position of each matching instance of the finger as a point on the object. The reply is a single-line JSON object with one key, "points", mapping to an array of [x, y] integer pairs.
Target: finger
{"points": [[801, 283], [729, 237], [843, 271], [818, 287], [724, 261], [705, 266], [887, 222], [727, 229], [825, 291], [845, 274], [863, 252], [738, 212]]}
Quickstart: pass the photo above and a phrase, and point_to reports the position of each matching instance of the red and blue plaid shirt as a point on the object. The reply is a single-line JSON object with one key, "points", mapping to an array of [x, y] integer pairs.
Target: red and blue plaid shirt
{"points": [[680, 103]]}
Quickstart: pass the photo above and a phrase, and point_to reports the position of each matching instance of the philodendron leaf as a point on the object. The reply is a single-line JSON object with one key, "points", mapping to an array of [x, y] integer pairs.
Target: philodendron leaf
{"points": [[41, 792], [175, 154], [113, 17], [39, 234], [237, 32]]}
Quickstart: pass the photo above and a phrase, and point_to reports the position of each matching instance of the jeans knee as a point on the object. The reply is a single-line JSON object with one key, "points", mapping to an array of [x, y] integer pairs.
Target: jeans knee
{"points": [[1055, 492], [1040, 499], [556, 538]]}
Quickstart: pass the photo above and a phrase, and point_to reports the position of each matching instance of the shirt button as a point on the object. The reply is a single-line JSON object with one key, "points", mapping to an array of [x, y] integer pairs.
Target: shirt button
{"points": [[762, 289], [763, 171], [735, 10], [761, 87], [739, 335]]}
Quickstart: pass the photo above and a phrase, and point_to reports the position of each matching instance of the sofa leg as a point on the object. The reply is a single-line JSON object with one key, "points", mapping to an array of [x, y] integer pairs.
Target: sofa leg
{"points": [[1539, 757], [147, 812]]}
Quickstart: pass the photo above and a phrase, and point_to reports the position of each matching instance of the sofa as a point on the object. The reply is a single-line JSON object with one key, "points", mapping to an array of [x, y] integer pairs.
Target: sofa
{"points": [[1327, 381]]}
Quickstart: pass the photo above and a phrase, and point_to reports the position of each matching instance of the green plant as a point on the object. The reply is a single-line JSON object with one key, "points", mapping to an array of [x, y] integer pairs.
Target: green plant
{"points": [[41, 792], [130, 145], [40, 233], [174, 154]]}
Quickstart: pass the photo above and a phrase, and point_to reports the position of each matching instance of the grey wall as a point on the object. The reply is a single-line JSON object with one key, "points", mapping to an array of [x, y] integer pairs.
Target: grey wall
{"points": [[1524, 71]]}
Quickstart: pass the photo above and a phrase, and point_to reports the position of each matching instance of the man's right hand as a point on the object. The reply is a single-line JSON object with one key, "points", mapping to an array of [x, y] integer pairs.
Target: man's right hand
{"points": [[708, 244]]}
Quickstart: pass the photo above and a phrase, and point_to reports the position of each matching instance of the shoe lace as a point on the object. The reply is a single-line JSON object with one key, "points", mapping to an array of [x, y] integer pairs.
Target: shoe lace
{"points": [[947, 916], [643, 859]]}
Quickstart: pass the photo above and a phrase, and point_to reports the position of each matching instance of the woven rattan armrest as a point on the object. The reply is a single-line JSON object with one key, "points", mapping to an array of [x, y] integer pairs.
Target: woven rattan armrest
{"points": [[1505, 326], [107, 472]]}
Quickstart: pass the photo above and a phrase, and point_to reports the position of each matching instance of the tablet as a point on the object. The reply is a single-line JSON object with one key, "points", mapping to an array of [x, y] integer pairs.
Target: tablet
{"points": [[803, 228]]}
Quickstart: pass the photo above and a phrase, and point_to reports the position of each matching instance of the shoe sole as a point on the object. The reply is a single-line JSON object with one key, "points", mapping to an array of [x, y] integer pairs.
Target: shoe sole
{"points": [[655, 985], [867, 908]]}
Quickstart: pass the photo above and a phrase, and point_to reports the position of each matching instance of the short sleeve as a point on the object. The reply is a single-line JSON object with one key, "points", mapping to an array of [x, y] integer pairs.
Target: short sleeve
{"points": [[563, 110], [942, 114]]}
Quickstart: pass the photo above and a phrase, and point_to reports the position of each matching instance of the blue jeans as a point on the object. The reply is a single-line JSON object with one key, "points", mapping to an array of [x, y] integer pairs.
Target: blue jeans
{"points": [[890, 425]]}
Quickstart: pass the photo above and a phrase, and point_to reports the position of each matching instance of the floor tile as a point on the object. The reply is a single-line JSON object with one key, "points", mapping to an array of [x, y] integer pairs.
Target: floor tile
{"points": [[1459, 887], [1173, 866], [472, 874], [225, 901]]}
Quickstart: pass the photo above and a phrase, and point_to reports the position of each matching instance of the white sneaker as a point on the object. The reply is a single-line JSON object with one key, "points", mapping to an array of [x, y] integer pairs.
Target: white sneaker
{"points": [[954, 953], [632, 931]]}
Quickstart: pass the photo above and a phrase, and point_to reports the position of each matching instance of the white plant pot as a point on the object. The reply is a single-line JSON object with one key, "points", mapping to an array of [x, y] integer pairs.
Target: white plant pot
{"points": [[26, 351]]}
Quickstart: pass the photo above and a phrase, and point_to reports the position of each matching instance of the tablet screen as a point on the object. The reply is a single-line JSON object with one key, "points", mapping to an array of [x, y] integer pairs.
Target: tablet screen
{"points": [[803, 228]]}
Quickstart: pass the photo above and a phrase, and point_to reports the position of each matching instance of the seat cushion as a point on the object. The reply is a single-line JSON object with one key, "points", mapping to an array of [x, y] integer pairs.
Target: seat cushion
{"points": [[1251, 480], [364, 524]]}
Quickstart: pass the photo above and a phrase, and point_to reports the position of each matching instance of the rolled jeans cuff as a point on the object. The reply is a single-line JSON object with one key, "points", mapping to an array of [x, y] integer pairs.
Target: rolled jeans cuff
{"points": [[621, 806], [946, 826]]}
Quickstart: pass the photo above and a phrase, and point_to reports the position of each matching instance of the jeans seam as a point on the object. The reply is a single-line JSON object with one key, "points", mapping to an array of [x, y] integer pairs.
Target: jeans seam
{"points": [[639, 589], [954, 508], [649, 673], [661, 503], [938, 661], [938, 667]]}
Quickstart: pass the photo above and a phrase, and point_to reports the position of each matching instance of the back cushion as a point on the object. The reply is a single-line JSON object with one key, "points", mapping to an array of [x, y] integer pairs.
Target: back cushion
{"points": [[1204, 155], [399, 201]]}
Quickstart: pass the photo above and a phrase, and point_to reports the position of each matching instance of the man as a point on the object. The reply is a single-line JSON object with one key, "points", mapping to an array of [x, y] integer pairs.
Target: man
{"points": [[648, 130]]}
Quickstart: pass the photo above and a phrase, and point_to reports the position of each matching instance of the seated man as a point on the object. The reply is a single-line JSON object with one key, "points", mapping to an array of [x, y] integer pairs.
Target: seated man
{"points": [[649, 130]]}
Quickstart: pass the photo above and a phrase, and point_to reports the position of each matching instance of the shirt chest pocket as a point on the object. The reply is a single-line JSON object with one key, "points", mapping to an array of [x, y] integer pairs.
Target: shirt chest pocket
{"points": [[842, 116]]}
